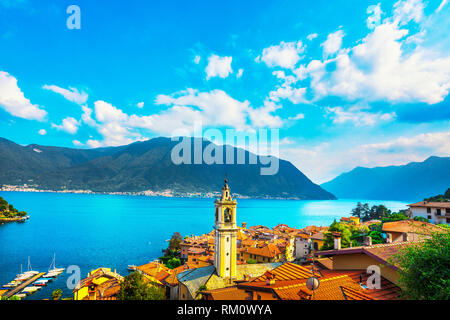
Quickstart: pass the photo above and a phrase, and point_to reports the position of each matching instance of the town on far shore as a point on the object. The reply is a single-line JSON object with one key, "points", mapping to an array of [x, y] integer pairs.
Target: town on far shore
{"points": [[370, 255]]}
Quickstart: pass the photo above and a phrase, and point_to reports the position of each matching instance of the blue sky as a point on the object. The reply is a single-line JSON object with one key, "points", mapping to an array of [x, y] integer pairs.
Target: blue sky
{"points": [[348, 83]]}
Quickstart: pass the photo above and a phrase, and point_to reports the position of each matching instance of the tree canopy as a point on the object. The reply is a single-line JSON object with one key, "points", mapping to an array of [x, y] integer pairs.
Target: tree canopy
{"points": [[134, 287], [425, 268]]}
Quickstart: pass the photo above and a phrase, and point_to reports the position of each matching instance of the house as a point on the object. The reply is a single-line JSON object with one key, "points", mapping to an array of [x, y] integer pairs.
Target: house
{"points": [[318, 240], [154, 272], [409, 230], [268, 253], [100, 284], [435, 212], [303, 245], [289, 282], [350, 220], [359, 258]]}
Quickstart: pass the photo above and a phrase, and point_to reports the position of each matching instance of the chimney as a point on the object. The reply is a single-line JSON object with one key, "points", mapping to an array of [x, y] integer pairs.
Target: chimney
{"points": [[368, 241], [337, 240], [405, 236], [388, 237], [244, 225]]}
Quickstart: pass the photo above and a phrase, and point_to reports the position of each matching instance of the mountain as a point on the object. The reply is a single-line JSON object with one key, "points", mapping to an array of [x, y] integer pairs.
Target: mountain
{"points": [[411, 182], [145, 165]]}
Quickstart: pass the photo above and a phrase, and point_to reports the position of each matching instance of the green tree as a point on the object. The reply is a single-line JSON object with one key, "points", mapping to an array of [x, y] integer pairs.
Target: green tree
{"points": [[134, 287], [424, 268], [56, 294], [251, 261], [346, 236], [174, 244], [173, 263], [422, 219]]}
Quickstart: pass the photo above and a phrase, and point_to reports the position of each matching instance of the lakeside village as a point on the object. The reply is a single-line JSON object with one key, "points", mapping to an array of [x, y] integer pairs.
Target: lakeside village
{"points": [[338, 262]]}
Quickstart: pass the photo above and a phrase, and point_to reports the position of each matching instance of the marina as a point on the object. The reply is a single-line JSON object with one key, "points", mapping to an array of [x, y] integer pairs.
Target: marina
{"points": [[31, 281]]}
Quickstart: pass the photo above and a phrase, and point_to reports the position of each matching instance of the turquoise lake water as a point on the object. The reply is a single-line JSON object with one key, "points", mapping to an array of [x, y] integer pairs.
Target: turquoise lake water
{"points": [[114, 231]]}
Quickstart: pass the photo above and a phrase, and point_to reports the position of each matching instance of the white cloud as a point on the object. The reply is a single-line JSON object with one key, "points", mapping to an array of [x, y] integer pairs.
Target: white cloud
{"points": [[140, 105], [71, 94], [347, 154], [311, 36], [375, 16], [443, 3], [379, 69], [299, 116], [69, 125], [42, 132], [240, 72], [214, 108], [285, 55], [218, 66], [408, 10], [106, 112], [286, 90], [13, 101], [358, 117], [333, 43], [263, 116], [197, 59], [87, 116], [77, 143], [94, 143]]}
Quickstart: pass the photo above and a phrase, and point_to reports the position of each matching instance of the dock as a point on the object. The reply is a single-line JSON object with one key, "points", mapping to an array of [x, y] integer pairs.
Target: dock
{"points": [[23, 285]]}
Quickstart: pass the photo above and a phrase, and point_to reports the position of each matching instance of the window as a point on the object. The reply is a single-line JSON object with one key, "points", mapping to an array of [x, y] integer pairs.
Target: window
{"points": [[228, 253], [227, 215], [429, 217], [447, 210], [428, 210], [228, 239], [316, 246], [448, 220], [438, 212]]}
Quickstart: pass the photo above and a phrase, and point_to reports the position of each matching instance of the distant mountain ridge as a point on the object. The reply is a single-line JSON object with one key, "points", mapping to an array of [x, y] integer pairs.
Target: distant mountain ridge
{"points": [[145, 165], [411, 182]]}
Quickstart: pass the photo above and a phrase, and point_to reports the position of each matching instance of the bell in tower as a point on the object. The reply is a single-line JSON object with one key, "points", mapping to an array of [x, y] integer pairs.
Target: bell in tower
{"points": [[225, 234]]}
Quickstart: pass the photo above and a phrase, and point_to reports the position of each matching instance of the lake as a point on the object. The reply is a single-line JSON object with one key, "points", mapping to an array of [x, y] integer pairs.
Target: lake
{"points": [[115, 231]]}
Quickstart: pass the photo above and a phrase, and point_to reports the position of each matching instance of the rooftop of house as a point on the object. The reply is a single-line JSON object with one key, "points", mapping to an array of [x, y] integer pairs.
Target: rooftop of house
{"points": [[411, 226], [105, 273], [430, 204], [380, 252], [288, 282], [270, 251], [318, 236], [195, 278], [156, 270]]}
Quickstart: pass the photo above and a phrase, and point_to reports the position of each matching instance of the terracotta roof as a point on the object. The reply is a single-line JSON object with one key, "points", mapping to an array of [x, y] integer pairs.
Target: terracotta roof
{"points": [[380, 252], [325, 263], [318, 236], [288, 271], [411, 226], [229, 293], [387, 291], [156, 270], [428, 204], [171, 280], [269, 251]]}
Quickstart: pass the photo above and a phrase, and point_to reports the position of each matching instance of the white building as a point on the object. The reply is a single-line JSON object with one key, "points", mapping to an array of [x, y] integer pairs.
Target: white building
{"points": [[302, 247], [435, 212]]}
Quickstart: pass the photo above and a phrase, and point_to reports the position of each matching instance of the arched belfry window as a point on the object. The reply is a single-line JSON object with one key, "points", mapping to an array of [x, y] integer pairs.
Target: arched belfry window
{"points": [[227, 215], [217, 213]]}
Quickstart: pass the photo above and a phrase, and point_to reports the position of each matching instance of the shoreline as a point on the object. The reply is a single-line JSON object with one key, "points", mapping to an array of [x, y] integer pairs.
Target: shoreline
{"points": [[148, 193]]}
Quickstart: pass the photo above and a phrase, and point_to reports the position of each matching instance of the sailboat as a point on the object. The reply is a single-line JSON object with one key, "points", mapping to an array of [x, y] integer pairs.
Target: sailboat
{"points": [[27, 274], [53, 271]]}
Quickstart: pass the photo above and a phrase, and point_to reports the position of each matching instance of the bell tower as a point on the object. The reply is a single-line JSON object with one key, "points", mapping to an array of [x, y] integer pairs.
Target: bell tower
{"points": [[225, 234]]}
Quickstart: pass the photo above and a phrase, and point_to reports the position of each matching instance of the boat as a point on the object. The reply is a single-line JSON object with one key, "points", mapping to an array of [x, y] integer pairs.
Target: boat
{"points": [[27, 274], [132, 267], [40, 283], [52, 270], [20, 295], [30, 290]]}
